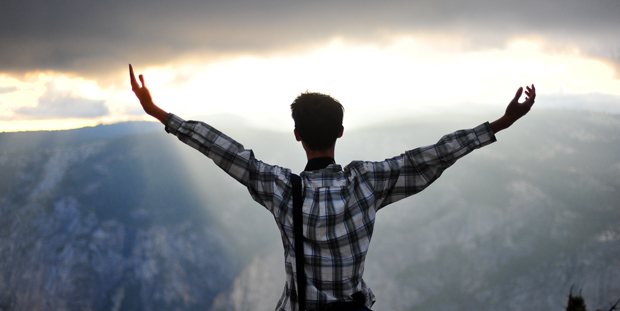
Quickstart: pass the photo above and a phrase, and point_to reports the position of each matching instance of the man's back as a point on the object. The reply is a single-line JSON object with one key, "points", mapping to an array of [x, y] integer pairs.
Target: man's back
{"points": [[339, 205]]}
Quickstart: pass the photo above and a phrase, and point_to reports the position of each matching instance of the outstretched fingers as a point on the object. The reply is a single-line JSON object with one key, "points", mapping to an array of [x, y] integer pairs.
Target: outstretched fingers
{"points": [[515, 100], [531, 95], [145, 98], [134, 83], [530, 92], [515, 109], [141, 91], [132, 78], [518, 94]]}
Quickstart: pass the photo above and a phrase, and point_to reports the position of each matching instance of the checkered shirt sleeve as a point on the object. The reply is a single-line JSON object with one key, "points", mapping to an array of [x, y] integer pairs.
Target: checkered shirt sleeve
{"points": [[267, 184], [414, 170]]}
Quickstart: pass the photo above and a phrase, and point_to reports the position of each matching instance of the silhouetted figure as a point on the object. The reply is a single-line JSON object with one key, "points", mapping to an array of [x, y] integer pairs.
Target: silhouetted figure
{"points": [[339, 204]]}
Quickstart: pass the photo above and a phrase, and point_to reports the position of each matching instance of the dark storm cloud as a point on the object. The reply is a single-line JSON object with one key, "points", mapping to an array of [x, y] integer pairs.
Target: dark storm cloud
{"points": [[93, 38], [59, 104]]}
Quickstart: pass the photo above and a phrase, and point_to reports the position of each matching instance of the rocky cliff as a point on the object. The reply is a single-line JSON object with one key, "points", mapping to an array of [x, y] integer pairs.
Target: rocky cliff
{"points": [[100, 224], [127, 219]]}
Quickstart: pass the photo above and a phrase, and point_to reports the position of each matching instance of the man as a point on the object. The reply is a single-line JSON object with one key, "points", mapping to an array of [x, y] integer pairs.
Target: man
{"points": [[339, 204]]}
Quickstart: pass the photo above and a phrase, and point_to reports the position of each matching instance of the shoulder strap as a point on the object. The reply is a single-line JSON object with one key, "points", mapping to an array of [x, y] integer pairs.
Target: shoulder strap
{"points": [[299, 241]]}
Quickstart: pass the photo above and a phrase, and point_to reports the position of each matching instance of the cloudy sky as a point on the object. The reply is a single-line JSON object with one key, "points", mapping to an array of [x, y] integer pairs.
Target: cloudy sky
{"points": [[63, 64]]}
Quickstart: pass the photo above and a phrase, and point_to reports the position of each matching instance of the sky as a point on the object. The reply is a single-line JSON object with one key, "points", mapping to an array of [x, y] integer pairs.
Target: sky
{"points": [[64, 64]]}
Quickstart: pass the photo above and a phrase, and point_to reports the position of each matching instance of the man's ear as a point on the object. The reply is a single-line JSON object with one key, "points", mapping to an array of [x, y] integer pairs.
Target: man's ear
{"points": [[297, 135], [341, 132]]}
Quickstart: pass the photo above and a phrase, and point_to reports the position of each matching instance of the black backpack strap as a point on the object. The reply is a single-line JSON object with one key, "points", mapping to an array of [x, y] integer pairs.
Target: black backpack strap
{"points": [[299, 241]]}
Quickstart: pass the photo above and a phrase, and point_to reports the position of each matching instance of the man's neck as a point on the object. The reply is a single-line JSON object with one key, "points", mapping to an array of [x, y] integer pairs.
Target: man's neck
{"points": [[312, 154], [319, 163]]}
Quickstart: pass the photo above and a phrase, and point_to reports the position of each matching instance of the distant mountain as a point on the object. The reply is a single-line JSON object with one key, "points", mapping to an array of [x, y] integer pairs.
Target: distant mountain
{"points": [[125, 217], [102, 221], [20, 141]]}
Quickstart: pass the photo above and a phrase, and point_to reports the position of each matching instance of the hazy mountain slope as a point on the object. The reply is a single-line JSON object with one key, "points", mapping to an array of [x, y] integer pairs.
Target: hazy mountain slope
{"points": [[90, 223], [512, 226], [103, 225]]}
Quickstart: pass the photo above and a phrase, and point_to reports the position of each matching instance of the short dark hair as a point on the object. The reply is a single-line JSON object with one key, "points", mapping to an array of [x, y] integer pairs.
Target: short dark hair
{"points": [[318, 119]]}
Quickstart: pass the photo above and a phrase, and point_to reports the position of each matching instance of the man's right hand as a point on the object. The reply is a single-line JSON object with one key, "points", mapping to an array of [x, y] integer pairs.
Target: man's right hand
{"points": [[145, 98]]}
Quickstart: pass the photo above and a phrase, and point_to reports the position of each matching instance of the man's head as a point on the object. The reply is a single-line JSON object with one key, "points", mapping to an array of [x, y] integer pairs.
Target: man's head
{"points": [[318, 119]]}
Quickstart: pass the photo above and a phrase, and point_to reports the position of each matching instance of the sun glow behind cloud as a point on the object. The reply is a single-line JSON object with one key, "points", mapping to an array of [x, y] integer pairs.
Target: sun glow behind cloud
{"points": [[374, 83]]}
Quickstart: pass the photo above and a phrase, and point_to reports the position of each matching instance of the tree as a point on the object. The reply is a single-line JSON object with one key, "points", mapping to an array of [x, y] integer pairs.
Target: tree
{"points": [[577, 303]]}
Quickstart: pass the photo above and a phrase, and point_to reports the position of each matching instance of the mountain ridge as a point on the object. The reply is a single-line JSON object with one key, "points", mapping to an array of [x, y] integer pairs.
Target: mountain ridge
{"points": [[99, 218]]}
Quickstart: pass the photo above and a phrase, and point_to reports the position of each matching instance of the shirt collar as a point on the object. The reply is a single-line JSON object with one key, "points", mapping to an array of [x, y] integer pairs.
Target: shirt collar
{"points": [[319, 163]]}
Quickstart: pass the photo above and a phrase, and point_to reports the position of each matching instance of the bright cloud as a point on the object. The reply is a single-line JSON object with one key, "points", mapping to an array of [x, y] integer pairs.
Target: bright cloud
{"points": [[403, 78], [373, 82]]}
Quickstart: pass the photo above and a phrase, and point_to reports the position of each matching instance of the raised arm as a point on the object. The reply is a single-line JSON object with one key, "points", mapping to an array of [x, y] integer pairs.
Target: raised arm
{"points": [[144, 96], [515, 110]]}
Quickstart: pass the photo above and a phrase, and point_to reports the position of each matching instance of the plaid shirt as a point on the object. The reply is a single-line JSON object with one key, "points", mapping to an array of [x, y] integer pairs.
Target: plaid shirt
{"points": [[339, 204]]}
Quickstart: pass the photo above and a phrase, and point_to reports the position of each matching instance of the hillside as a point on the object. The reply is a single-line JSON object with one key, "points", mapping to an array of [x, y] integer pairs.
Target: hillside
{"points": [[125, 217]]}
